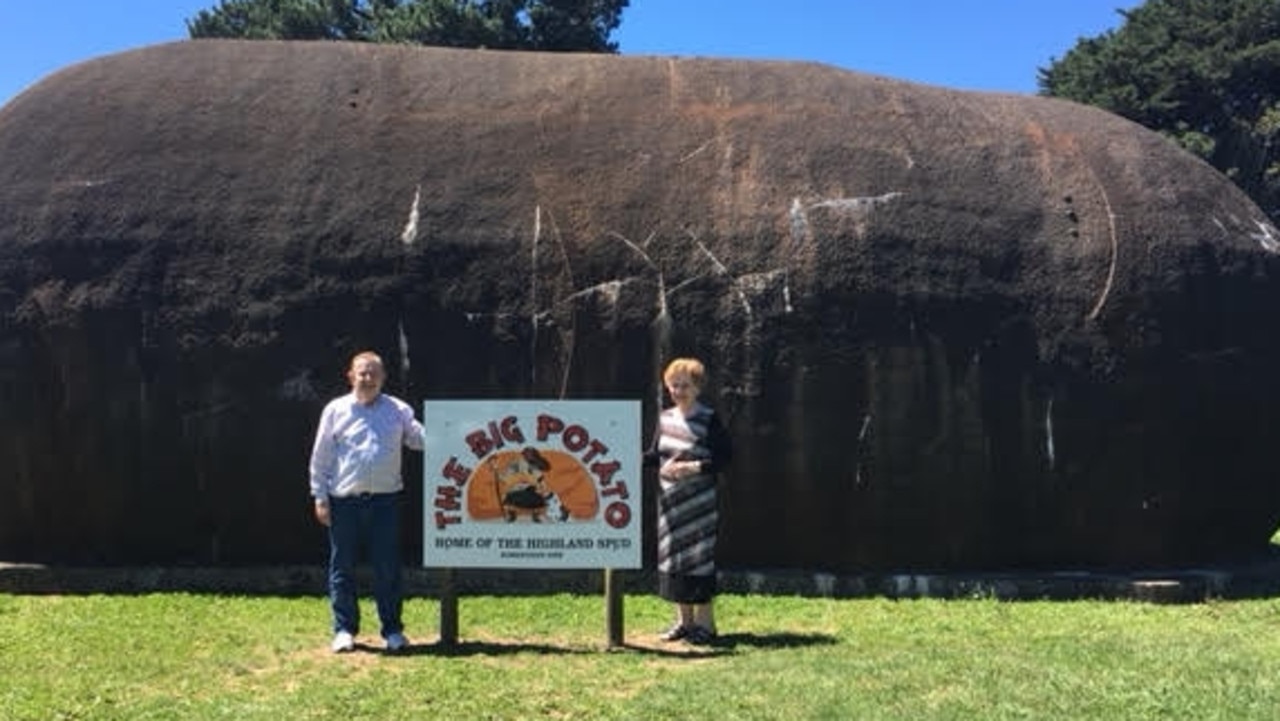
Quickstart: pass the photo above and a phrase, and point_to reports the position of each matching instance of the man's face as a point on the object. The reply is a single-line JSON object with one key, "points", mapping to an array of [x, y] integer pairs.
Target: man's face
{"points": [[366, 376]]}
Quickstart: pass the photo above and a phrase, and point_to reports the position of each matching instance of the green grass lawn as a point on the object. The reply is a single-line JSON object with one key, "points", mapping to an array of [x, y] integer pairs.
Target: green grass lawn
{"points": [[180, 656]]}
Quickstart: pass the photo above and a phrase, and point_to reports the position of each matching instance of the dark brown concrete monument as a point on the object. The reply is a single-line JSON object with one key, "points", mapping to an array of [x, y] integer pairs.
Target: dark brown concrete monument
{"points": [[949, 330]]}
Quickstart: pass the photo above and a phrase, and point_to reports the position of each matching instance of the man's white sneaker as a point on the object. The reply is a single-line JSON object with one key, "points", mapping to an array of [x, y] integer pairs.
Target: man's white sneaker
{"points": [[343, 642], [397, 642]]}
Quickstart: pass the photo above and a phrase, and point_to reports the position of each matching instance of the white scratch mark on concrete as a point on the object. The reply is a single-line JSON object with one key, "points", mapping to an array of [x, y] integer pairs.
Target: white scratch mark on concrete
{"points": [[1266, 236], [680, 286], [662, 329], [1115, 252], [662, 321], [695, 153], [404, 350], [410, 234], [799, 222], [801, 230], [610, 290], [737, 285], [81, 183], [639, 251], [759, 283], [474, 316], [862, 437], [856, 205], [408, 237], [720, 267], [663, 318], [299, 387], [1048, 434]]}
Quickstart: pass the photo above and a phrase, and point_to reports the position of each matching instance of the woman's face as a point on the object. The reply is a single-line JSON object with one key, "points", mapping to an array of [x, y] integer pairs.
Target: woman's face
{"points": [[682, 389]]}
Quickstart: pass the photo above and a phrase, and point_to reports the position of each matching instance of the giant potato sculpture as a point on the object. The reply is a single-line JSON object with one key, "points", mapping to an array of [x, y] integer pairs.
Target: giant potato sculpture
{"points": [[949, 330]]}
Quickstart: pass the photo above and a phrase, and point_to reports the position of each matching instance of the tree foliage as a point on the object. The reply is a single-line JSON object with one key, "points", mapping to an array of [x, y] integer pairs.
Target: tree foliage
{"points": [[555, 25], [1204, 72]]}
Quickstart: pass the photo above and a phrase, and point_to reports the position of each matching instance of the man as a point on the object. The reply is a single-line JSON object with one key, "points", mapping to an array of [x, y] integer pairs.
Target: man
{"points": [[356, 488]]}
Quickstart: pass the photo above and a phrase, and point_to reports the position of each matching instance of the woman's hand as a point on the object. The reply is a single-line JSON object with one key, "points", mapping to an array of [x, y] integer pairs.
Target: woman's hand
{"points": [[677, 470]]}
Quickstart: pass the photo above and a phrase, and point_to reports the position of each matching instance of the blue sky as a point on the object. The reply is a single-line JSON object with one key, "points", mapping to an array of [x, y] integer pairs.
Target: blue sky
{"points": [[965, 44]]}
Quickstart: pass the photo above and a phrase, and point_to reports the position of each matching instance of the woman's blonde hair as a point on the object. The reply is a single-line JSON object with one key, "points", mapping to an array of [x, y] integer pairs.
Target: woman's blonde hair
{"points": [[691, 367]]}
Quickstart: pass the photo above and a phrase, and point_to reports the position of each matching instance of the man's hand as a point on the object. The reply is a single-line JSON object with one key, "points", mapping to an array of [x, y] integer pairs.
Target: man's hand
{"points": [[322, 512], [678, 470]]}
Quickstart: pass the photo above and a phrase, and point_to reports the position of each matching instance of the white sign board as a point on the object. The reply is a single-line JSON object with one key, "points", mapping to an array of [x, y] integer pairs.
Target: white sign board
{"points": [[532, 484]]}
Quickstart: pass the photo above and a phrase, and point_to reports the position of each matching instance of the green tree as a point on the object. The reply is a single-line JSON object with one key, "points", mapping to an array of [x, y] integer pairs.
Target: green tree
{"points": [[281, 20], [1204, 72], [556, 25]]}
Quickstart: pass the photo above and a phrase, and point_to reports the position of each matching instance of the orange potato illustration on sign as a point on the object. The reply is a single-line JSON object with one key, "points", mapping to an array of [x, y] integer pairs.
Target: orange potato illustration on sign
{"points": [[533, 484]]}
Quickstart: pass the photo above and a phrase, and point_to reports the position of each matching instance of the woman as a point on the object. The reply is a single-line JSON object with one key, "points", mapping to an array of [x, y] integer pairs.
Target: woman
{"points": [[690, 447]]}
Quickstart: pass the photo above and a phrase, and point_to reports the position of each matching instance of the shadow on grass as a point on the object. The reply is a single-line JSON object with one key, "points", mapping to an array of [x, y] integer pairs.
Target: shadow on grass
{"points": [[730, 642], [475, 648], [773, 640], [727, 643]]}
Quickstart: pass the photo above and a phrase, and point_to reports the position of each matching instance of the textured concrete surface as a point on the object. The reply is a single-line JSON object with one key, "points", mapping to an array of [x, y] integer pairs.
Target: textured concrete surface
{"points": [[948, 330]]}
